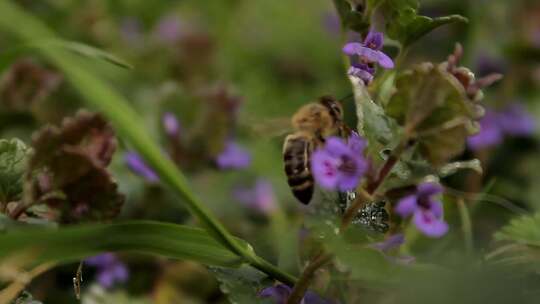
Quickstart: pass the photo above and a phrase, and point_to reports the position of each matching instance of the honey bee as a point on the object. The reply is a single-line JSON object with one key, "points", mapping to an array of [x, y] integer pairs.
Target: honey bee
{"points": [[313, 122]]}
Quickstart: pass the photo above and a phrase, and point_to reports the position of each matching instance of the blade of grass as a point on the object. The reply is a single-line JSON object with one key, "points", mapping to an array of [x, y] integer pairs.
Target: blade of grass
{"points": [[126, 121]]}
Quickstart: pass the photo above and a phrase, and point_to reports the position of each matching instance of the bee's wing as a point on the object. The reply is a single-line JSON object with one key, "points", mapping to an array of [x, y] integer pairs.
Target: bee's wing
{"points": [[269, 128]]}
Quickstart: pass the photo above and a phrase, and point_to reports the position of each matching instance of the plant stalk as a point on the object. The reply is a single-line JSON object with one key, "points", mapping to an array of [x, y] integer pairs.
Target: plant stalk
{"points": [[126, 122]]}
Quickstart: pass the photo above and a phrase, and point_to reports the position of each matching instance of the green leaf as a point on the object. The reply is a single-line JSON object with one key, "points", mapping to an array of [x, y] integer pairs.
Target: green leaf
{"points": [[351, 19], [241, 285], [380, 130], [405, 25], [521, 243], [523, 230], [432, 105], [75, 243], [13, 158]]}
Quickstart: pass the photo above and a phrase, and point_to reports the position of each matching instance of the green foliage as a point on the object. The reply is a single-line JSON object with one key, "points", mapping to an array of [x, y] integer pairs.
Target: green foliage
{"points": [[127, 122], [523, 230], [241, 284], [75, 243], [519, 243], [405, 25], [350, 18], [431, 103], [380, 130], [13, 158]]}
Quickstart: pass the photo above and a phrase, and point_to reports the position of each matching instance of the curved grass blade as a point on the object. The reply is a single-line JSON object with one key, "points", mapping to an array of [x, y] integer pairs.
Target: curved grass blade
{"points": [[154, 238], [92, 52], [127, 122]]}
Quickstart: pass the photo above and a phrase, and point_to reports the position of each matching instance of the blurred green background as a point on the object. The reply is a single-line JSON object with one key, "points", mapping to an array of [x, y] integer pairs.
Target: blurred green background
{"points": [[274, 56]]}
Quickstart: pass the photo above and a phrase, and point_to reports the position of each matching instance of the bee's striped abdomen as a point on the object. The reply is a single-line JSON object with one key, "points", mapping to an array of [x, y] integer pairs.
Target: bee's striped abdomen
{"points": [[296, 156]]}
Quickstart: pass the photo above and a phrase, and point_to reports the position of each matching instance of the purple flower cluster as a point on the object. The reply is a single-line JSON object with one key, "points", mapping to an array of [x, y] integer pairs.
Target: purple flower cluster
{"points": [[233, 156], [259, 198], [513, 120], [340, 165], [280, 293], [136, 164], [368, 53], [426, 211], [110, 270]]}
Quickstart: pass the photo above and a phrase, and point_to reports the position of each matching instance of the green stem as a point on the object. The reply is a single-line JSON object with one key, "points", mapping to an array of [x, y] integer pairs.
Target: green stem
{"points": [[127, 123], [466, 224]]}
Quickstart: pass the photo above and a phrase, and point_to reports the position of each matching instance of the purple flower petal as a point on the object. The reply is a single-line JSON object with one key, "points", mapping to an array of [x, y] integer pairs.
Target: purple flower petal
{"points": [[325, 169], [279, 293], [135, 162], [336, 146], [364, 75], [349, 182], [407, 206], [384, 60], [101, 259], [339, 165], [437, 208], [233, 157], [352, 48], [357, 143], [105, 279], [490, 133], [120, 272], [110, 269], [515, 121], [374, 40], [429, 189], [429, 224], [368, 54], [390, 243]]}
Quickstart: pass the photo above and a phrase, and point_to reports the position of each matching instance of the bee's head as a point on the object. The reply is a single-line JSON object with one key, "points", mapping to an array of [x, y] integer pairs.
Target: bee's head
{"points": [[333, 106]]}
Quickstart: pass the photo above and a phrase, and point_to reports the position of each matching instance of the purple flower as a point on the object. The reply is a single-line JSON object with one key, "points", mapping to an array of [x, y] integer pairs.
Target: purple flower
{"points": [[391, 243], [259, 198], [280, 293], [171, 124], [515, 121], [139, 167], [427, 213], [169, 29], [370, 50], [362, 71], [233, 157], [490, 132], [340, 165], [110, 269]]}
